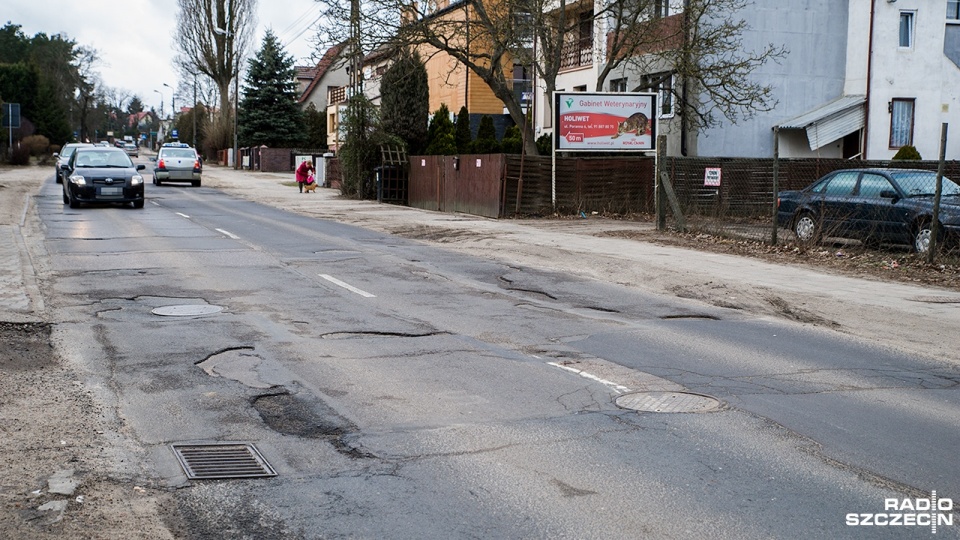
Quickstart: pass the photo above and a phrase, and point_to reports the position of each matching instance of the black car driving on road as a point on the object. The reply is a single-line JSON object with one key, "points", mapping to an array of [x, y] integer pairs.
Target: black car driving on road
{"points": [[873, 205], [102, 175]]}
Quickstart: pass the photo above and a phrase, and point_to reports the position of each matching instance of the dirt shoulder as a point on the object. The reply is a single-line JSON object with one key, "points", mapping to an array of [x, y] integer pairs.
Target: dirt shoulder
{"points": [[60, 475]]}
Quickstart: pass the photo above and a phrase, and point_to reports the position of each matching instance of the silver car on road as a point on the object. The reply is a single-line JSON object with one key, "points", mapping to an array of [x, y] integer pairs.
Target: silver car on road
{"points": [[177, 163]]}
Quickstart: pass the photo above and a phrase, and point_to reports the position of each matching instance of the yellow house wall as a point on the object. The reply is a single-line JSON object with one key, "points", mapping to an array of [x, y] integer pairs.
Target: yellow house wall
{"points": [[447, 82]]}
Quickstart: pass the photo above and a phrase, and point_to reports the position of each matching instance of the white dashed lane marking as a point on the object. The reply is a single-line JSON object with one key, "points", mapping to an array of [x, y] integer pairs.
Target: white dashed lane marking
{"points": [[346, 286]]}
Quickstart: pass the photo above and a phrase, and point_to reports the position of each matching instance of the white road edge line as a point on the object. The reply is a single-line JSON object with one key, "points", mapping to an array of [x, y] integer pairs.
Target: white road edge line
{"points": [[346, 286], [618, 388], [230, 234], [183, 215], [155, 203]]}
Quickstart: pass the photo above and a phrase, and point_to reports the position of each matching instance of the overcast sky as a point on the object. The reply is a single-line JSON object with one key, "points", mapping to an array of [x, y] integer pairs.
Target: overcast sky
{"points": [[135, 37]]}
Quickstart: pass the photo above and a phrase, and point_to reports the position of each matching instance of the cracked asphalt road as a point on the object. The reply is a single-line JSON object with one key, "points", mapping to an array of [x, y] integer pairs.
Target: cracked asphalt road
{"points": [[37, 402]]}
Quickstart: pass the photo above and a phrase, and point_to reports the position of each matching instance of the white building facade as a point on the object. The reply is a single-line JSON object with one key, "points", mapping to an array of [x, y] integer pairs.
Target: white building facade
{"points": [[861, 78]]}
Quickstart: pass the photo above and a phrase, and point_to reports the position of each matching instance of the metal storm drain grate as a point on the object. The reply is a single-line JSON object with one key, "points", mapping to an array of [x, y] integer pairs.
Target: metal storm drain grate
{"points": [[214, 461], [668, 402], [187, 310]]}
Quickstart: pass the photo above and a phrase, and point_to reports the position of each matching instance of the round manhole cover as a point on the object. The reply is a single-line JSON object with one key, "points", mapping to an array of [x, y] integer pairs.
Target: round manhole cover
{"points": [[668, 402], [186, 310]]}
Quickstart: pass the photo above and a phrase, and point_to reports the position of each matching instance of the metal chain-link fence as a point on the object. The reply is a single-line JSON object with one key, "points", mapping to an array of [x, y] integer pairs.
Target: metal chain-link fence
{"points": [[735, 196]]}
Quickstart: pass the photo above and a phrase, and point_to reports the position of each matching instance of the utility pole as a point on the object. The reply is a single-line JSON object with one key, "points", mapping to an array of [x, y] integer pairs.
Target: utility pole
{"points": [[194, 111]]}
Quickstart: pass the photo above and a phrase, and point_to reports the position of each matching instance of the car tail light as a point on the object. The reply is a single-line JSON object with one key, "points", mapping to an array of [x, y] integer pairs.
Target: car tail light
{"points": [[196, 165], [160, 165]]}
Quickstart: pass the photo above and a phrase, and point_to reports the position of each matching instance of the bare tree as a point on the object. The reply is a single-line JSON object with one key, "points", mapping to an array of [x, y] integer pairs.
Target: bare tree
{"points": [[702, 45], [88, 85], [213, 37]]}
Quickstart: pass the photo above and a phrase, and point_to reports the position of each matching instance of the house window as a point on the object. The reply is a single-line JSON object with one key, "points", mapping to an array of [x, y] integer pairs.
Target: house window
{"points": [[662, 84], [661, 8], [906, 29], [901, 122], [953, 10], [618, 85], [580, 88], [577, 50], [522, 84]]}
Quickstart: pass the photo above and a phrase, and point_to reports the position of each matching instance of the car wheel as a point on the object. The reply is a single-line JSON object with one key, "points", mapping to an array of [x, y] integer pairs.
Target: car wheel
{"points": [[138, 204], [806, 228], [157, 182], [195, 183], [66, 199], [73, 200], [921, 237], [59, 179], [154, 180]]}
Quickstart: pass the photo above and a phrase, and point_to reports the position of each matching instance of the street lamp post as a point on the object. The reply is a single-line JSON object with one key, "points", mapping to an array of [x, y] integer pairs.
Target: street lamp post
{"points": [[194, 110], [161, 102], [160, 123], [173, 102], [236, 89]]}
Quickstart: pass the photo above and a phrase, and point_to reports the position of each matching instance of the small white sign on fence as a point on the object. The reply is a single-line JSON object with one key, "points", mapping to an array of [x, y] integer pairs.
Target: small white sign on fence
{"points": [[711, 177]]}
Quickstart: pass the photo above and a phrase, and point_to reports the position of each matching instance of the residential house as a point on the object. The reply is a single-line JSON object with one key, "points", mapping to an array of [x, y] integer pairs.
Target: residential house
{"points": [[584, 55], [373, 66], [329, 73], [453, 84], [861, 78], [901, 81], [305, 75]]}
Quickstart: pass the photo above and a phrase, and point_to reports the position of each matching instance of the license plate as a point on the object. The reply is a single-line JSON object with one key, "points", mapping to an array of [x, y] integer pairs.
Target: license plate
{"points": [[111, 191]]}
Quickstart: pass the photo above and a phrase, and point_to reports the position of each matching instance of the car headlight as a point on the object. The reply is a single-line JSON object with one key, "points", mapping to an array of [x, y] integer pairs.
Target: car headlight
{"points": [[78, 180], [136, 180]]}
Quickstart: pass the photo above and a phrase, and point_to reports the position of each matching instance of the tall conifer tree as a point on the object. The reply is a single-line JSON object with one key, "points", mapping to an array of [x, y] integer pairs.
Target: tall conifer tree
{"points": [[269, 114], [405, 101]]}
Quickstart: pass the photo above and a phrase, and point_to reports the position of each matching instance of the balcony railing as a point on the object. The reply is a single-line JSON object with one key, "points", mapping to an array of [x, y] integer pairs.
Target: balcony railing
{"points": [[576, 54], [337, 95]]}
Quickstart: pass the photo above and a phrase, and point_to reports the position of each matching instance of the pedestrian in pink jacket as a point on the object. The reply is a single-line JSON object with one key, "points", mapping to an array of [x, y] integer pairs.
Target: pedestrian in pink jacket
{"points": [[304, 171]]}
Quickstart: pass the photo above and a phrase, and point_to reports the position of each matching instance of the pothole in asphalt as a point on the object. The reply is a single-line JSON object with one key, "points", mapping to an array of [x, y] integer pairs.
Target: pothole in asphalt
{"points": [[293, 414], [668, 402], [187, 310], [936, 299], [363, 334], [240, 364]]}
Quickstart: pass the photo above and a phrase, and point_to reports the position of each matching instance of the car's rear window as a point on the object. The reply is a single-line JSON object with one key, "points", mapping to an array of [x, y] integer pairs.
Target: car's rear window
{"points": [[924, 183], [179, 152]]}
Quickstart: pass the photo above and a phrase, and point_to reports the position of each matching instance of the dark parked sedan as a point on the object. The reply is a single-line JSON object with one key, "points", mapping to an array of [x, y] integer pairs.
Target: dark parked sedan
{"points": [[100, 174], [872, 205]]}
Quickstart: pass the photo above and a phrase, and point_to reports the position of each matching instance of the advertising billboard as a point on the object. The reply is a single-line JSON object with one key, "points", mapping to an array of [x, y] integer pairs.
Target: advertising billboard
{"points": [[605, 122]]}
